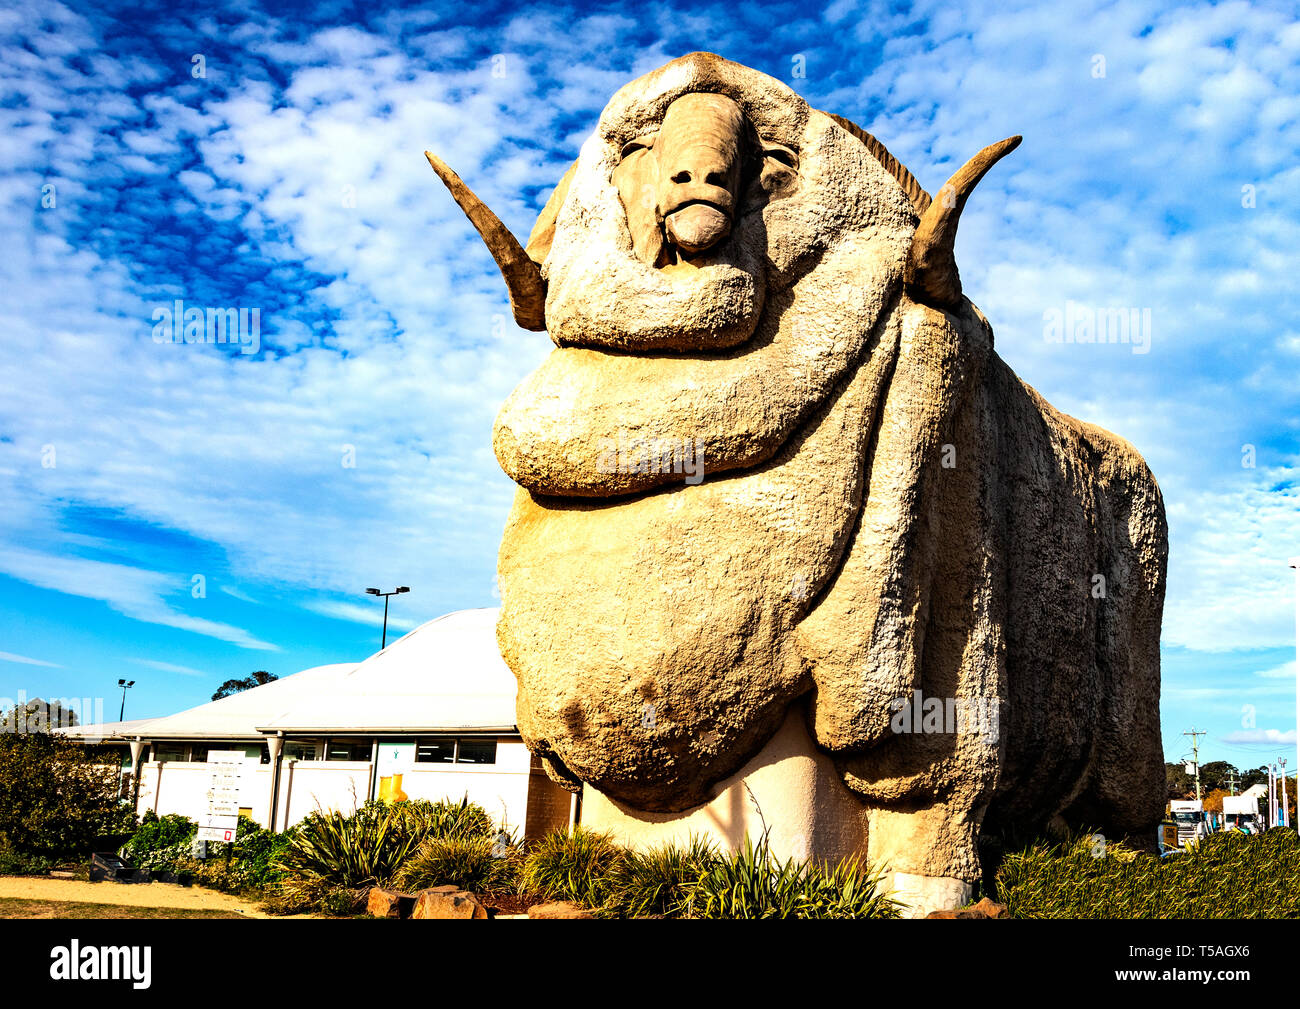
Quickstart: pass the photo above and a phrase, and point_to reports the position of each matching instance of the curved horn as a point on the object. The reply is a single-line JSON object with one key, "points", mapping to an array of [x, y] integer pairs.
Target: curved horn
{"points": [[931, 273], [523, 277]]}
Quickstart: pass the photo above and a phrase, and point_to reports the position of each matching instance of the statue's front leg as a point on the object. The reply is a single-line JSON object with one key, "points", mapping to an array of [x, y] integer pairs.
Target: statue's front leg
{"points": [[928, 853]]}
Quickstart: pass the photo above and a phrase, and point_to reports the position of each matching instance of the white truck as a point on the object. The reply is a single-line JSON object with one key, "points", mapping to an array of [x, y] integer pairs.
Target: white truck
{"points": [[1241, 812], [1189, 817]]}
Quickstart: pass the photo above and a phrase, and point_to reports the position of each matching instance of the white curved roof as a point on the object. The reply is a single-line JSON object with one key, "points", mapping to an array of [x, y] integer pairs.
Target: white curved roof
{"points": [[239, 714], [446, 675]]}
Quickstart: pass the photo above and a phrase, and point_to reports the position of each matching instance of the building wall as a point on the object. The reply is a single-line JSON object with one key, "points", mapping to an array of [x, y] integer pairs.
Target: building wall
{"points": [[502, 788]]}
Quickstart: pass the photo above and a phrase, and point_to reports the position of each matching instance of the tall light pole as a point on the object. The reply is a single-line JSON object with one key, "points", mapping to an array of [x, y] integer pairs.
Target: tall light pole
{"points": [[1295, 563], [125, 685], [396, 592]]}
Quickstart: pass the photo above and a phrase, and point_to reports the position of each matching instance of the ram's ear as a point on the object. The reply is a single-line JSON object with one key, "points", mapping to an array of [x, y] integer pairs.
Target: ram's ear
{"points": [[543, 234]]}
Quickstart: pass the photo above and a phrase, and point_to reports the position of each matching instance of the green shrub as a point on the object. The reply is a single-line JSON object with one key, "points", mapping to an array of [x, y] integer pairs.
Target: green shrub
{"points": [[1226, 875], [752, 883], [477, 864], [15, 863], [256, 848], [657, 881], [571, 866], [160, 842], [342, 901], [59, 797]]}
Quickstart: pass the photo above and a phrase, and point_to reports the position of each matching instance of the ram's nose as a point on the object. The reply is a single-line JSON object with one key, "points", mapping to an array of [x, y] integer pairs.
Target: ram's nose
{"points": [[699, 153]]}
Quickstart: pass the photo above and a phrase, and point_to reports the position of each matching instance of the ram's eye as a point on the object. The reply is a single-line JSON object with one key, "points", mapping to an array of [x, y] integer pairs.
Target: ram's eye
{"points": [[639, 144], [781, 154]]}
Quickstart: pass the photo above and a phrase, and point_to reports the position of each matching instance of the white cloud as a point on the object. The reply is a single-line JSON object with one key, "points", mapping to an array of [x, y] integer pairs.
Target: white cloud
{"points": [[170, 667], [25, 660], [1262, 736], [360, 614], [134, 592]]}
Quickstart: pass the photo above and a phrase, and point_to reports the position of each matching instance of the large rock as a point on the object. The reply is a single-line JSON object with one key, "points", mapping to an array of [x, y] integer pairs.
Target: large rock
{"points": [[774, 465], [984, 908], [382, 903], [447, 902]]}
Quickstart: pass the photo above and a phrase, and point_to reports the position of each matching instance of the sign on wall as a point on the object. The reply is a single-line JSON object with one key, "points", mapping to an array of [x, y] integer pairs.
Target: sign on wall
{"points": [[220, 820]]}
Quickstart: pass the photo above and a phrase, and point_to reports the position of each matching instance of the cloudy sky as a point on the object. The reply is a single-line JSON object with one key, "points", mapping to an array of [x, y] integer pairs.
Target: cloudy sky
{"points": [[181, 513]]}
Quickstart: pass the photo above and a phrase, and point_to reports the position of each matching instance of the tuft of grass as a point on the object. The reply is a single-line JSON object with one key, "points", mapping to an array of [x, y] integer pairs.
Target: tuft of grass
{"points": [[753, 883], [657, 881], [478, 864], [571, 866], [1226, 875], [331, 852], [444, 818], [333, 849]]}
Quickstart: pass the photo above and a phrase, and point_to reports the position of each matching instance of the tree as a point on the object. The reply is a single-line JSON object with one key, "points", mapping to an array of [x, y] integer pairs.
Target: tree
{"points": [[259, 678], [59, 796], [37, 716]]}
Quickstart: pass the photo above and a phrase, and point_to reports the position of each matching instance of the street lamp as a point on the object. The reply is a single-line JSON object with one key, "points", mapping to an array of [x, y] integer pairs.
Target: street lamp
{"points": [[397, 591], [125, 685]]}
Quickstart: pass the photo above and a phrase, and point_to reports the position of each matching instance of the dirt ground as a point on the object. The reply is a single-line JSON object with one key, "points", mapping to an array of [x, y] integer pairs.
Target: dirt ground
{"points": [[166, 895]]}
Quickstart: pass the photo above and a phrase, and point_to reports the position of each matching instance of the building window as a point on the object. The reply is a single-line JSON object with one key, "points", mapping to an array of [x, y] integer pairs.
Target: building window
{"points": [[300, 751], [459, 751], [476, 751], [199, 752], [347, 749], [163, 752], [435, 751]]}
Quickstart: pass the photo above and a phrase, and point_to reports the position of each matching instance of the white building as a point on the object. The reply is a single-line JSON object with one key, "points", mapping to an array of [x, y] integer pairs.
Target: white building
{"points": [[432, 716]]}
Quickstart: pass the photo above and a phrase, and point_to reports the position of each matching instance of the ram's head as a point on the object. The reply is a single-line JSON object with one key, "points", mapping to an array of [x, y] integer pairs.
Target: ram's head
{"points": [[725, 272]]}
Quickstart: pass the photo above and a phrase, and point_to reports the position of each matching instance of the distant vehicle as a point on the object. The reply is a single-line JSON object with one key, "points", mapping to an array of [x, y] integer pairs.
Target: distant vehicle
{"points": [[1190, 819], [1241, 812]]}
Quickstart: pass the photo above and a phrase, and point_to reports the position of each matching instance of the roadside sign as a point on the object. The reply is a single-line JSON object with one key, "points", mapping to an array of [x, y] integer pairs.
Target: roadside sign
{"points": [[220, 820]]}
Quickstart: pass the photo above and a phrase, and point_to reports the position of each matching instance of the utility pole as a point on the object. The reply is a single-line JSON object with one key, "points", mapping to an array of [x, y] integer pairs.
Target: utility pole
{"points": [[1232, 781], [1196, 762], [1295, 563], [1286, 813]]}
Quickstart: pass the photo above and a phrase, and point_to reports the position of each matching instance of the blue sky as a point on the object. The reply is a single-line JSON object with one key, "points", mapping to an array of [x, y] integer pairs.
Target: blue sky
{"points": [[182, 513]]}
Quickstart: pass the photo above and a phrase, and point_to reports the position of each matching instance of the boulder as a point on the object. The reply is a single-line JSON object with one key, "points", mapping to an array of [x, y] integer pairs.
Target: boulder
{"points": [[384, 903], [985, 908], [447, 902], [991, 908]]}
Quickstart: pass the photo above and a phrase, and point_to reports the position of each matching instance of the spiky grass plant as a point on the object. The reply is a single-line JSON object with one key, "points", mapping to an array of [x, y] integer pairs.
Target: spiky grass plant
{"points": [[571, 866], [753, 883], [1226, 875], [335, 849], [478, 864], [657, 881]]}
